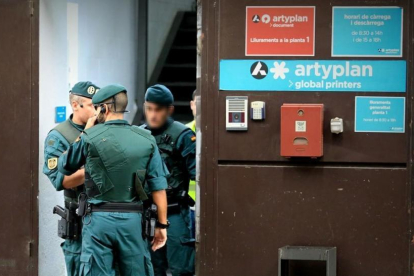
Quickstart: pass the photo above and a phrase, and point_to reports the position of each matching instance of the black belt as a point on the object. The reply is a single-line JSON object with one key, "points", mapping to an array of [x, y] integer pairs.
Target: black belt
{"points": [[70, 193], [174, 208], [118, 207], [71, 205]]}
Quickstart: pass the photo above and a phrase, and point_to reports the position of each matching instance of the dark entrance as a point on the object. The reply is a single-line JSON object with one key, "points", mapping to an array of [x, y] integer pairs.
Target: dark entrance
{"points": [[19, 145]]}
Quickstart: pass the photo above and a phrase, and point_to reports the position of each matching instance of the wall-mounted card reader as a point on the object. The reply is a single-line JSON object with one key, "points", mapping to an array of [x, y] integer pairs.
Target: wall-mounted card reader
{"points": [[236, 113], [258, 111], [301, 130]]}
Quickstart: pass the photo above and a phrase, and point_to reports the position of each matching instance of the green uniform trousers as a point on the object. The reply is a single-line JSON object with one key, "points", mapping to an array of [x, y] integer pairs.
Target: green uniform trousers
{"points": [[72, 252], [179, 253], [114, 234]]}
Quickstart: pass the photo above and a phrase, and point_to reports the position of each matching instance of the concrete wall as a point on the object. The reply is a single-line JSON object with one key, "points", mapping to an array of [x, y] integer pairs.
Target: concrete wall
{"points": [[106, 53], [53, 89], [161, 14]]}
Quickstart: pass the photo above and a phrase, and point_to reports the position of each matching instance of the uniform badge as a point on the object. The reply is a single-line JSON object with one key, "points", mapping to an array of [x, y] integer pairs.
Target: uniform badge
{"points": [[52, 163], [193, 138], [91, 90]]}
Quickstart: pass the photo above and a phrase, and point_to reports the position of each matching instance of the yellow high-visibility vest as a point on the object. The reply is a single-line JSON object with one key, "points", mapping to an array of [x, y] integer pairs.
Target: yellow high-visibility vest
{"points": [[192, 186]]}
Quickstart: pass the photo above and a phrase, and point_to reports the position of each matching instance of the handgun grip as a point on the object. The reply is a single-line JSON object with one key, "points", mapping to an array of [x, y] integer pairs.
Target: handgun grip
{"points": [[59, 211]]}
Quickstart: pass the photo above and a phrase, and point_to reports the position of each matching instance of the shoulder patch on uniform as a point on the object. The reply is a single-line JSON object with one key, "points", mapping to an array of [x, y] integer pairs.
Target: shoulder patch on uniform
{"points": [[51, 142], [193, 138], [52, 163]]}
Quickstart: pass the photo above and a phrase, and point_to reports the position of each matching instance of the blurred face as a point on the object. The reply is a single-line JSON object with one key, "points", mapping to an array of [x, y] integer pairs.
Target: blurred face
{"points": [[193, 106], [83, 109], [157, 115]]}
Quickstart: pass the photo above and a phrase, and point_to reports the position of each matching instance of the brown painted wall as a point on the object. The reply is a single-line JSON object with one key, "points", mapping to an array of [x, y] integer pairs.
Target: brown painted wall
{"points": [[357, 197], [18, 137]]}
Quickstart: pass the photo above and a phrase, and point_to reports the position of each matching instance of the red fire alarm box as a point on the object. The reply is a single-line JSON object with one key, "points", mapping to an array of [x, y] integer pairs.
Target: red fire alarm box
{"points": [[301, 130]]}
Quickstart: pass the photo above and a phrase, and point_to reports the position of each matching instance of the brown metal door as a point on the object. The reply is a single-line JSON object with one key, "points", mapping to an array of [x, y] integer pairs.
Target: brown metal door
{"points": [[357, 197], [18, 137]]}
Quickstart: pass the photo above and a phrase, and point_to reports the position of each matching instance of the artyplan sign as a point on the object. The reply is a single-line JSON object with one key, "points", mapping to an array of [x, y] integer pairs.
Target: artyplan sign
{"points": [[367, 31], [313, 75], [280, 31], [380, 114]]}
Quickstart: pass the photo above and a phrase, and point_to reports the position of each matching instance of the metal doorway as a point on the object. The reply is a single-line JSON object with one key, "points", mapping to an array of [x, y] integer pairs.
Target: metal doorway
{"points": [[19, 137], [357, 197]]}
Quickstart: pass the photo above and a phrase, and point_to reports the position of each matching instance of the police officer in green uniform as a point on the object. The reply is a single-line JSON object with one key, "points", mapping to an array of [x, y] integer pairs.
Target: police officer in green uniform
{"points": [[119, 159], [57, 141], [177, 145]]}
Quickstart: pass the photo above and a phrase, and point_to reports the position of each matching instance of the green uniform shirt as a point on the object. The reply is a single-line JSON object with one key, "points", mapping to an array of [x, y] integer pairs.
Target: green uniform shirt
{"points": [[78, 152], [185, 147], [55, 145]]}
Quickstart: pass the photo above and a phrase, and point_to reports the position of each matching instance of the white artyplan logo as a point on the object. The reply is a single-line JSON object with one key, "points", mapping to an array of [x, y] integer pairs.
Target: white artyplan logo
{"points": [[259, 70], [279, 70], [266, 18], [311, 71]]}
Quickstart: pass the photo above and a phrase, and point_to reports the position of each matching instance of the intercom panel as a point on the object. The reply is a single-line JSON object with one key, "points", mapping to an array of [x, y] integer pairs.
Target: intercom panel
{"points": [[258, 111], [236, 113]]}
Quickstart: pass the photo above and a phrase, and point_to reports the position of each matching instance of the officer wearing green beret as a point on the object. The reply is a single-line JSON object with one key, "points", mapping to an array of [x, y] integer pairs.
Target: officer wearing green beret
{"points": [[118, 159], [177, 145], [58, 141]]}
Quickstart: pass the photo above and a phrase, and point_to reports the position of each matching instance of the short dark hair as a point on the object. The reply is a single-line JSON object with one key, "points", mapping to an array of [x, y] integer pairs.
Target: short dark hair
{"points": [[120, 103]]}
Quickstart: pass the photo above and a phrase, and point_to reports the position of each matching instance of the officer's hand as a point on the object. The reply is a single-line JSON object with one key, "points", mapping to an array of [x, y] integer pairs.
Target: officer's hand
{"points": [[91, 121], [160, 238]]}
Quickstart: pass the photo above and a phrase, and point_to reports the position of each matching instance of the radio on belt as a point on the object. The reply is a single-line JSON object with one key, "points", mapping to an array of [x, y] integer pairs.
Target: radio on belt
{"points": [[301, 130], [236, 113]]}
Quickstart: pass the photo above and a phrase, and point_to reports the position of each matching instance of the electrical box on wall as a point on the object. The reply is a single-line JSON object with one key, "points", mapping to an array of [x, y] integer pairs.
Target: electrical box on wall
{"points": [[301, 130], [236, 113], [258, 112]]}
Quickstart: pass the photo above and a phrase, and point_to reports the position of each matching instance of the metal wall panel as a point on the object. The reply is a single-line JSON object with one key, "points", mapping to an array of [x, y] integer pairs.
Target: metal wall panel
{"points": [[263, 208], [358, 197], [262, 141], [18, 137], [349, 147]]}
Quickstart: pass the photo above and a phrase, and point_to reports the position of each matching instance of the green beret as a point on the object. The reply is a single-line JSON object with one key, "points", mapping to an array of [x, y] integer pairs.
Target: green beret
{"points": [[84, 89], [159, 94], [108, 92]]}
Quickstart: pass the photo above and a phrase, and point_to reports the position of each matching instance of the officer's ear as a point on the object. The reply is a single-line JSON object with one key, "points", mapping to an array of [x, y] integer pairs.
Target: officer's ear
{"points": [[170, 110], [144, 108], [192, 104], [105, 109], [75, 105]]}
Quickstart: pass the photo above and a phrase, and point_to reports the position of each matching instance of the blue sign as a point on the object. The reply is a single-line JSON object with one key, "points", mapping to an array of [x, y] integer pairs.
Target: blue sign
{"points": [[380, 114], [60, 114], [367, 31], [313, 75]]}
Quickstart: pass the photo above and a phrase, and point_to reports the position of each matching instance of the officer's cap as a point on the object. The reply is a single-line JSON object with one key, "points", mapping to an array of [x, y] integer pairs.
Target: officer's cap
{"points": [[108, 92], [159, 94], [84, 89]]}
